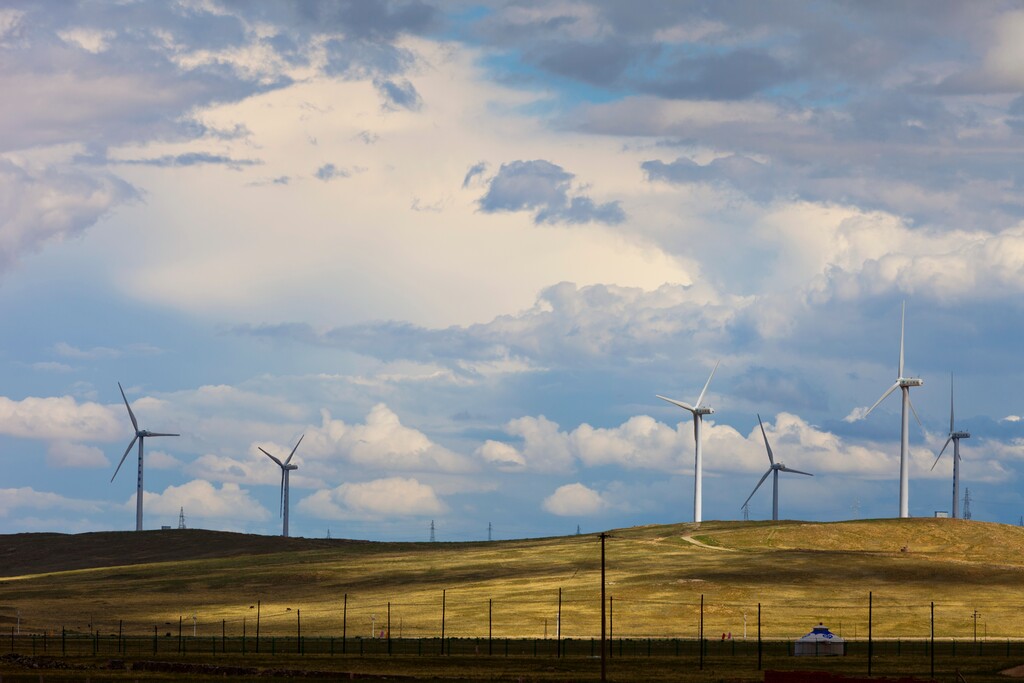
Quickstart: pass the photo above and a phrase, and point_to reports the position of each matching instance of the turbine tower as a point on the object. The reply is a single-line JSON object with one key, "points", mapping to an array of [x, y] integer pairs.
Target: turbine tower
{"points": [[774, 469], [140, 436], [904, 383], [955, 437], [286, 467], [698, 411]]}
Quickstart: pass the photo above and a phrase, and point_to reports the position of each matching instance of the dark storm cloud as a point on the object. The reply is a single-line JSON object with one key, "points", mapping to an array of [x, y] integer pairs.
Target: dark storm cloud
{"points": [[544, 187]]}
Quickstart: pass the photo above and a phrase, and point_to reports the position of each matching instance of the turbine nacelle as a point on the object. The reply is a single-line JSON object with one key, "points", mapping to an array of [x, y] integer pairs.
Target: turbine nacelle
{"points": [[910, 382], [703, 410], [960, 435]]}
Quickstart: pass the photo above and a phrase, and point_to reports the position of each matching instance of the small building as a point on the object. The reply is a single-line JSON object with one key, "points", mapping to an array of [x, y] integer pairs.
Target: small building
{"points": [[820, 642]]}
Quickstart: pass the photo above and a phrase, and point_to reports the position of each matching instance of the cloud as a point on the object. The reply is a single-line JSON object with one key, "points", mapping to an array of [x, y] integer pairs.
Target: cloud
{"points": [[475, 171], [378, 499], [543, 187], [330, 172], [381, 442], [1011, 418], [50, 366], [69, 454], [58, 418], [399, 95], [501, 455], [575, 500], [568, 325], [40, 207], [29, 498], [999, 71], [189, 159], [202, 499]]}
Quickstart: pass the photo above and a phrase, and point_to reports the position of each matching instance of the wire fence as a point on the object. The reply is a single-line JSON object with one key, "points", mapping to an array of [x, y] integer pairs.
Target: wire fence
{"points": [[573, 616]]}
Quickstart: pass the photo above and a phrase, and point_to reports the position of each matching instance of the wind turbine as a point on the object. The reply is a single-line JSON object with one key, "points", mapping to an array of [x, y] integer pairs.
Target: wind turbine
{"points": [[775, 468], [903, 383], [698, 411], [955, 437], [286, 467], [140, 436]]}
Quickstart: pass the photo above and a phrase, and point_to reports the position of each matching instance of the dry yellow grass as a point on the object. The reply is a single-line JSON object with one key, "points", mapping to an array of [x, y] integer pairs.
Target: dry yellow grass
{"points": [[801, 573]]}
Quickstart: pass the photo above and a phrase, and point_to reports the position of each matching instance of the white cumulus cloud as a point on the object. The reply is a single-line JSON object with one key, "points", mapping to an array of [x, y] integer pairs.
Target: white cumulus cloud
{"points": [[378, 499], [574, 500]]}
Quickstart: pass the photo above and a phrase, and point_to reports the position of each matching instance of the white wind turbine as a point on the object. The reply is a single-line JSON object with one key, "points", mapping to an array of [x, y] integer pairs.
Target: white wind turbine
{"points": [[775, 468], [955, 437], [140, 436], [286, 467], [903, 383], [698, 411]]}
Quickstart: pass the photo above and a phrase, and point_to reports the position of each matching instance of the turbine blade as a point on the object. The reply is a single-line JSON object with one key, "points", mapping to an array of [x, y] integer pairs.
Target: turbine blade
{"points": [[294, 449], [771, 459], [941, 452], [684, 406], [757, 487], [135, 423], [160, 434], [700, 399], [790, 469], [884, 396], [914, 411], [903, 320], [126, 452], [280, 464]]}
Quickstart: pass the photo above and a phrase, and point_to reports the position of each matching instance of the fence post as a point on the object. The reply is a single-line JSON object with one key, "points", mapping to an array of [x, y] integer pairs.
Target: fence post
{"points": [[871, 643], [389, 628], [758, 636], [344, 625], [701, 632], [223, 627], [932, 641], [179, 635], [63, 642], [443, 599], [558, 626], [120, 631], [258, 605], [298, 633], [611, 624], [490, 628], [154, 639]]}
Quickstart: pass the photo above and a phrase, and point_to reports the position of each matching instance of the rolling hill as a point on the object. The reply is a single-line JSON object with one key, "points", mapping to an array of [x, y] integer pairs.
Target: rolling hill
{"points": [[801, 573]]}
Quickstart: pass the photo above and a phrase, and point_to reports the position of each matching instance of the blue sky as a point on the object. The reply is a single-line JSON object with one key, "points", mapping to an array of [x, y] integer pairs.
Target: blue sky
{"points": [[462, 246]]}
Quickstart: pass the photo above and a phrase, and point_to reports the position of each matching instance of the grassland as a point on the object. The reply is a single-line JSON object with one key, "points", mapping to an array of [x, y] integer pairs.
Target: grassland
{"points": [[800, 573]]}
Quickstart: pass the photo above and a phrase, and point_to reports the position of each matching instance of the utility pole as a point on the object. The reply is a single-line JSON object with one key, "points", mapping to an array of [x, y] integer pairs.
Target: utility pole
{"points": [[975, 617], [746, 512], [488, 531], [967, 503], [181, 518], [604, 649], [432, 539]]}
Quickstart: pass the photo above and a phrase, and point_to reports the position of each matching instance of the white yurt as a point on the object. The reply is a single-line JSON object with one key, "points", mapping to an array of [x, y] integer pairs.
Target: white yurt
{"points": [[820, 642]]}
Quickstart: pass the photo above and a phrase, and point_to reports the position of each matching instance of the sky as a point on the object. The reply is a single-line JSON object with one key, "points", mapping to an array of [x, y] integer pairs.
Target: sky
{"points": [[460, 247]]}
